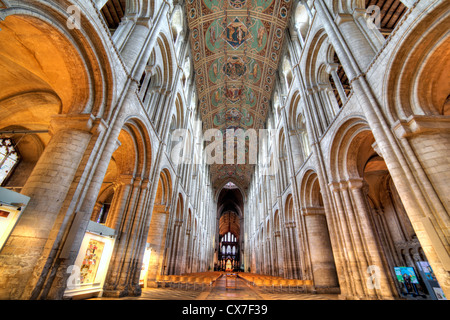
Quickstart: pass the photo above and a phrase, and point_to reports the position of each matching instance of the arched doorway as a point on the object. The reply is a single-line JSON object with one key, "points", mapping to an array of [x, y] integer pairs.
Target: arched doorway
{"points": [[45, 91], [374, 228], [229, 237], [321, 253], [156, 239]]}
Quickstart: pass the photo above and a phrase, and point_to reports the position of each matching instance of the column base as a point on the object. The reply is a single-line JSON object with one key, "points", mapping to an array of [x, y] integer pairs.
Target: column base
{"points": [[123, 292]]}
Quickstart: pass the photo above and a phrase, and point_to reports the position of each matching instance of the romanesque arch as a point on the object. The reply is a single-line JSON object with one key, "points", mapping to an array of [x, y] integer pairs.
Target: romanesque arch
{"points": [[318, 233], [52, 94], [157, 232]]}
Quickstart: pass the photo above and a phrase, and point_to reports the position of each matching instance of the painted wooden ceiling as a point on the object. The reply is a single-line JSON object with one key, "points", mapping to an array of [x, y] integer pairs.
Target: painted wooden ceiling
{"points": [[236, 48]]}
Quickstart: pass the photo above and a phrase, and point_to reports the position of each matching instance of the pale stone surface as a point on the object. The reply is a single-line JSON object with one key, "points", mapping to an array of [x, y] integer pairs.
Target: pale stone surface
{"points": [[360, 186]]}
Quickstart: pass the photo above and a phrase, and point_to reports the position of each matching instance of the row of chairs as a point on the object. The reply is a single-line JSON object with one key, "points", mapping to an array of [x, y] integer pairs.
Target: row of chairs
{"points": [[273, 283], [188, 281]]}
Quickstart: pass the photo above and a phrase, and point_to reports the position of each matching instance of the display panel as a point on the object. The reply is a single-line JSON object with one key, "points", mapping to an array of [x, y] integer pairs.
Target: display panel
{"points": [[406, 275], [91, 261]]}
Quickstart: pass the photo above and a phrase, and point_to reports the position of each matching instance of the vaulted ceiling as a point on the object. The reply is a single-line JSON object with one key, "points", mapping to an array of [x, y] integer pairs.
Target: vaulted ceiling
{"points": [[236, 49]]}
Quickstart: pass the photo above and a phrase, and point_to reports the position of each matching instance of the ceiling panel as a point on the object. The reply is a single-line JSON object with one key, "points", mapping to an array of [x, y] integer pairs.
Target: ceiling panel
{"points": [[236, 48]]}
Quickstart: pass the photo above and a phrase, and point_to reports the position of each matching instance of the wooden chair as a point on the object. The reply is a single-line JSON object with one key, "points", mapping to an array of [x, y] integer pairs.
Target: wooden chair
{"points": [[283, 284], [307, 284], [183, 281], [275, 283], [198, 281], [207, 281], [175, 280], [258, 282], [190, 281], [159, 280]]}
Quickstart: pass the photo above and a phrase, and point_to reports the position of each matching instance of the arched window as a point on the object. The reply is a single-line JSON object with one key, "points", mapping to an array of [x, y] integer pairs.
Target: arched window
{"points": [[302, 21], [303, 136], [186, 72], [276, 106], [287, 72], [177, 23], [9, 158]]}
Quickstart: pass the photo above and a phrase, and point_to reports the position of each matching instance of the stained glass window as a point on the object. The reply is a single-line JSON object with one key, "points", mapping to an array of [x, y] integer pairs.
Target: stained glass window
{"points": [[8, 158]]}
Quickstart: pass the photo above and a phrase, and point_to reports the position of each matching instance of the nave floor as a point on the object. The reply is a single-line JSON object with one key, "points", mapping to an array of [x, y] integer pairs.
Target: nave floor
{"points": [[218, 291]]}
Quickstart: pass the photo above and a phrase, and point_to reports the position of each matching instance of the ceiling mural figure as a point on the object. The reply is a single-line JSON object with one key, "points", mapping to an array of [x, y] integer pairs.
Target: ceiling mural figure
{"points": [[236, 48], [234, 68], [236, 33]]}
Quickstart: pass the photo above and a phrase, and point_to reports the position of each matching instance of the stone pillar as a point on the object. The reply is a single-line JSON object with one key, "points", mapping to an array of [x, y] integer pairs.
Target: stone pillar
{"points": [[174, 251], [320, 109], [332, 70], [322, 260], [296, 149], [355, 39], [373, 248], [427, 135], [279, 254], [24, 254], [356, 236], [121, 277], [291, 261], [355, 288], [156, 238], [424, 208]]}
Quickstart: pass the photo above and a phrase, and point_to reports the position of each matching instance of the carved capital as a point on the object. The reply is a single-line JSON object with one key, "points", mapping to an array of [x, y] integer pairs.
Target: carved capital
{"points": [[85, 123], [417, 124]]}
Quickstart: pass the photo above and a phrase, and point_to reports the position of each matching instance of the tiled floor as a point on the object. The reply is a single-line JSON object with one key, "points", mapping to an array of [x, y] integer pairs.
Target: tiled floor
{"points": [[218, 291]]}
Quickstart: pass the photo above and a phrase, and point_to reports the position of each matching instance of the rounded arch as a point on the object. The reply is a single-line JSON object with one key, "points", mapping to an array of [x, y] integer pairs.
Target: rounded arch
{"points": [[289, 214], [177, 22], [276, 221], [167, 61], [294, 107], [164, 191], [417, 79], [311, 196], [352, 143], [71, 70], [287, 71], [134, 133], [317, 44], [301, 19], [180, 207], [179, 111]]}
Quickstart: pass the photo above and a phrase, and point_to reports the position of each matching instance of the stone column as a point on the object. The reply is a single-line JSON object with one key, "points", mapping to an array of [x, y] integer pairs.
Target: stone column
{"points": [[373, 248], [279, 254], [425, 210], [322, 260], [24, 254], [355, 288], [356, 235], [320, 109], [121, 273], [156, 238], [332, 70], [355, 39], [296, 149]]}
